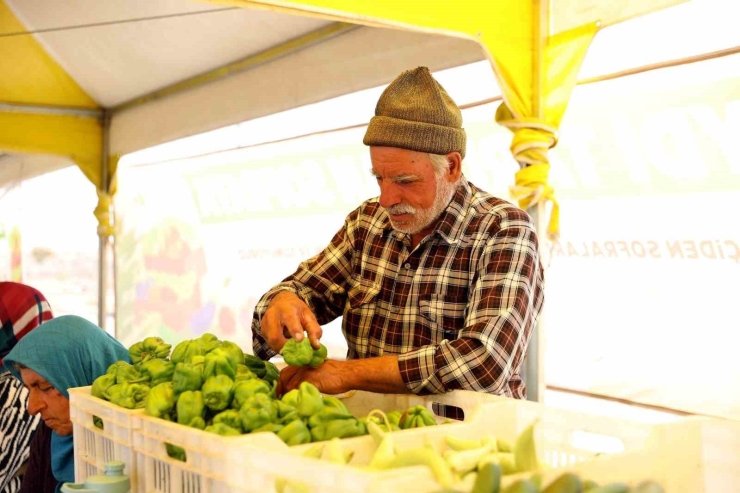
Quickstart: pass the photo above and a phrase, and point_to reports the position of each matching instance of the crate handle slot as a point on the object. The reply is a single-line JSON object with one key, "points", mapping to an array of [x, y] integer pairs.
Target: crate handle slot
{"points": [[448, 411]]}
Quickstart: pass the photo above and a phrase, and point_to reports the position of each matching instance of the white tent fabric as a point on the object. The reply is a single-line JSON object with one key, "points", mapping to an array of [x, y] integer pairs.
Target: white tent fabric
{"points": [[355, 60], [117, 58]]}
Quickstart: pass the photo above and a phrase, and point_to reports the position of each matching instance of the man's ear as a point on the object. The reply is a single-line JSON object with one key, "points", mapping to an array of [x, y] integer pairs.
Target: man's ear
{"points": [[455, 169]]}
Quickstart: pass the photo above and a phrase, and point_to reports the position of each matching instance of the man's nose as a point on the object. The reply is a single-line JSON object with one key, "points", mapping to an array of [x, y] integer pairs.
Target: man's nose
{"points": [[389, 195]]}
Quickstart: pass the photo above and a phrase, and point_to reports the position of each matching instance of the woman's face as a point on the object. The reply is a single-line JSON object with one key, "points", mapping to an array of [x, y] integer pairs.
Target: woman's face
{"points": [[43, 398]]}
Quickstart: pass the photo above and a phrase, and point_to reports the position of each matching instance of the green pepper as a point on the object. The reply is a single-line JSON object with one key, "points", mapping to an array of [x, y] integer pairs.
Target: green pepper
{"points": [[290, 398], [332, 402], [338, 428], [295, 433], [309, 400], [328, 414], [209, 341], [286, 413], [284, 409], [149, 348], [191, 410], [394, 418], [223, 429], [158, 370], [218, 363], [218, 392], [131, 395], [256, 365], [233, 352], [126, 373], [187, 377], [258, 411], [101, 385], [416, 417], [272, 427], [229, 417], [297, 353], [112, 369], [246, 389], [302, 353], [243, 373], [114, 392], [186, 350], [161, 401], [272, 374], [319, 356]]}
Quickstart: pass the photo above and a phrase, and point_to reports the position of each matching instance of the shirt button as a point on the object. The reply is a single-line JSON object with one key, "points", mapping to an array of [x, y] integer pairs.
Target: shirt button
{"points": [[407, 265]]}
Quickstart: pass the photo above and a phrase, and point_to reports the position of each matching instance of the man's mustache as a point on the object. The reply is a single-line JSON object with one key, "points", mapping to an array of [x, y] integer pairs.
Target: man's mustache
{"points": [[399, 209]]}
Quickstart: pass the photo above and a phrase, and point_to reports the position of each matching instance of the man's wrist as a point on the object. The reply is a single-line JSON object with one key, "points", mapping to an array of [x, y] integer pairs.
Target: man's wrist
{"points": [[378, 374]]}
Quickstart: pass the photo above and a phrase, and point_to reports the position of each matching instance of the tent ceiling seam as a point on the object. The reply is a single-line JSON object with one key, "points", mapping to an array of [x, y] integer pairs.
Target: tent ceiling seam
{"points": [[49, 110], [242, 65], [660, 65], [112, 23]]}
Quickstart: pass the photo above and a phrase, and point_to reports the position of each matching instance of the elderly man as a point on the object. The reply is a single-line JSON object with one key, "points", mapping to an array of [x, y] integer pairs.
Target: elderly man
{"points": [[439, 283]]}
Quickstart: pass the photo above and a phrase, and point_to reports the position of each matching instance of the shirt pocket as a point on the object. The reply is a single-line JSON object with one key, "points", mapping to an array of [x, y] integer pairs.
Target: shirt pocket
{"points": [[445, 317], [361, 303], [362, 296]]}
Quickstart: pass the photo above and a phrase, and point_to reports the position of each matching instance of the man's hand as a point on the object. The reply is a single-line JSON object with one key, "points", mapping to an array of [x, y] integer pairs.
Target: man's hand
{"points": [[288, 316], [379, 374], [331, 377]]}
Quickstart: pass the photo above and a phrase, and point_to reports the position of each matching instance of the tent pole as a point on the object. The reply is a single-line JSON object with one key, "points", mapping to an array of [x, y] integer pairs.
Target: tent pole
{"points": [[533, 373], [534, 367], [102, 237]]}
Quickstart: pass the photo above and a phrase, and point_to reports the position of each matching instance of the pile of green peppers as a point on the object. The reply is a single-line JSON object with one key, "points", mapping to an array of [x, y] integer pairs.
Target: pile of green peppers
{"points": [[214, 386]]}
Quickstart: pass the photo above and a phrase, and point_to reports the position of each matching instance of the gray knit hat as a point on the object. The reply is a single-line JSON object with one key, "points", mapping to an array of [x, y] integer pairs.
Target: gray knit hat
{"points": [[416, 113]]}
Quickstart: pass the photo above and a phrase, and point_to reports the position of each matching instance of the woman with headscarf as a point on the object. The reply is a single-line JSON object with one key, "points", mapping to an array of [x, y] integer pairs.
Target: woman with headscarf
{"points": [[22, 309], [61, 354]]}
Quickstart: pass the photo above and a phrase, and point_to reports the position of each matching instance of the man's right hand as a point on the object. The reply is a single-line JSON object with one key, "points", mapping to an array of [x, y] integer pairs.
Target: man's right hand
{"points": [[288, 316]]}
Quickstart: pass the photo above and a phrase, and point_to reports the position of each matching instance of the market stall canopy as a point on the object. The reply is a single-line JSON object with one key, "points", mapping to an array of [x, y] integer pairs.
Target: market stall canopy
{"points": [[90, 55]]}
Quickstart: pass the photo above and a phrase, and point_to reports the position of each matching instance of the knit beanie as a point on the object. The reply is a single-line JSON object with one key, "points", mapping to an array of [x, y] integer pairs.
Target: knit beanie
{"points": [[416, 113]]}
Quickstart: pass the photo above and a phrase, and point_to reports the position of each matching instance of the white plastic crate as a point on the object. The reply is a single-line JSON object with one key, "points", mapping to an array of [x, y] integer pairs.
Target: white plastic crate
{"points": [[93, 446], [695, 455], [563, 438], [209, 464]]}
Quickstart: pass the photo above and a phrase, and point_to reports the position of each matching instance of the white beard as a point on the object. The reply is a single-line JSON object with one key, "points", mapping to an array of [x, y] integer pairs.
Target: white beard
{"points": [[422, 218]]}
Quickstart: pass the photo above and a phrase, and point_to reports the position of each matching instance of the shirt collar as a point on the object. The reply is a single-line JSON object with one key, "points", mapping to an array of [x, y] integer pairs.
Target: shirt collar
{"points": [[450, 226]]}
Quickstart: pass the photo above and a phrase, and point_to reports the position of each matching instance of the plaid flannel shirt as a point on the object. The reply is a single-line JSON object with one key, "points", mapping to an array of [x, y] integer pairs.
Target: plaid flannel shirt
{"points": [[458, 310]]}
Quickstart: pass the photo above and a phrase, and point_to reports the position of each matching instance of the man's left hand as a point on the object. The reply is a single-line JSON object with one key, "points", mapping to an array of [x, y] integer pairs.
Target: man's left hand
{"points": [[331, 377]]}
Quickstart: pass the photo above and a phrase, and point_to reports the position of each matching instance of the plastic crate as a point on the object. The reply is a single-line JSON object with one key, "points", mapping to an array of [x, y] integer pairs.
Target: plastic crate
{"points": [[94, 447], [563, 438], [209, 458], [695, 455]]}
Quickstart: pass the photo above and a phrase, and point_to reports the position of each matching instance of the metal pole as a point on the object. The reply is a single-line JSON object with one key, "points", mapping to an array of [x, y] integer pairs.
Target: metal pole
{"points": [[102, 238], [534, 369], [534, 372]]}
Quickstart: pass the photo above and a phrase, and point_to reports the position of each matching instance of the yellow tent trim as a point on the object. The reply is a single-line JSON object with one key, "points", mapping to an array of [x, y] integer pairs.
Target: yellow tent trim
{"points": [[29, 75], [104, 211], [75, 137], [536, 134]]}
